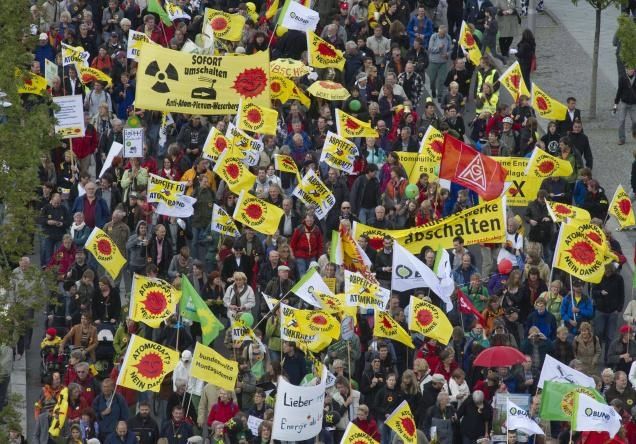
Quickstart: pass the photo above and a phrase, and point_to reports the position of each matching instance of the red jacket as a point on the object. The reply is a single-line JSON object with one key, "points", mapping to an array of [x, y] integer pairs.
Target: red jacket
{"points": [[62, 259], [222, 412], [306, 243], [87, 145], [368, 426]]}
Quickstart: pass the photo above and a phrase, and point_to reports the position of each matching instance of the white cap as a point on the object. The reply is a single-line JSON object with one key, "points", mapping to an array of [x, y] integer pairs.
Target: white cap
{"points": [[43, 36], [186, 355]]}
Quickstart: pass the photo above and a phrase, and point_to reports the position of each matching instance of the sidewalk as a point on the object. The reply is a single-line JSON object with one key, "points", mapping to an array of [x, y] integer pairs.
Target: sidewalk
{"points": [[18, 386]]}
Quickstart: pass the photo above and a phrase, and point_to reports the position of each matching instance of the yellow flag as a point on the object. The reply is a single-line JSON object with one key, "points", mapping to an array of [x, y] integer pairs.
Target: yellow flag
{"points": [[560, 212], [271, 11], [214, 144], [285, 163], [247, 147], [350, 127], [225, 26], [311, 322], [257, 119], [429, 320], [582, 251], [58, 415], [385, 326], [152, 300], [322, 54], [338, 152], [427, 159], [105, 252], [164, 190], [145, 365], [233, 171], [544, 165], [298, 94], [402, 423], [210, 366], [223, 223], [312, 191], [354, 435], [361, 292], [345, 251], [621, 208], [88, 75], [29, 83], [257, 214], [469, 44], [74, 55], [180, 82], [546, 106], [280, 88], [513, 81]]}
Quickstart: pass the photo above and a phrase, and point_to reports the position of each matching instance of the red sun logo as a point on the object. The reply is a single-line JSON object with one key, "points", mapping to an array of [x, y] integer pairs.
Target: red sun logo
{"points": [[220, 143], [625, 206], [409, 427], [470, 40], [233, 170], [150, 366], [352, 124], [251, 82], [594, 237], [275, 86], [319, 320], [328, 85], [155, 302], [104, 247], [437, 146], [562, 209], [219, 24], [28, 81], [515, 81], [288, 163], [424, 317], [376, 242], [254, 116], [542, 104], [88, 78], [386, 323], [254, 211], [583, 253], [546, 167], [326, 50]]}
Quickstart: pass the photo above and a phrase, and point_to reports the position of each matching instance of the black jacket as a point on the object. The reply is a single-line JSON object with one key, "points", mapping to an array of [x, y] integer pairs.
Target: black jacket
{"points": [[146, 430], [59, 214], [230, 266], [473, 422], [581, 143], [626, 91], [359, 189], [615, 297], [166, 254], [565, 126]]}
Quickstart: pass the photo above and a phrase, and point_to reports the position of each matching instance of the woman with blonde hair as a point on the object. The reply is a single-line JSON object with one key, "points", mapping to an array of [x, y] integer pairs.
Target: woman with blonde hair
{"points": [[239, 297], [553, 299], [587, 349]]}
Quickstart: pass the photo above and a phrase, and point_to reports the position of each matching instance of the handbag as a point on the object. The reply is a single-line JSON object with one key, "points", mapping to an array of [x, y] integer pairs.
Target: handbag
{"points": [[533, 63]]}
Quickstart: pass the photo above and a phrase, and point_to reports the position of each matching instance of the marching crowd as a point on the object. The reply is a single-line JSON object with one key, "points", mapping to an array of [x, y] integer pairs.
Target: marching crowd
{"points": [[395, 51]]}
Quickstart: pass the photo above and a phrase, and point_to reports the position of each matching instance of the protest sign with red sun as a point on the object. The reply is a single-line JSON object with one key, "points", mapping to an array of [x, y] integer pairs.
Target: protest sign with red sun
{"points": [[145, 365], [429, 320], [152, 300], [621, 208]]}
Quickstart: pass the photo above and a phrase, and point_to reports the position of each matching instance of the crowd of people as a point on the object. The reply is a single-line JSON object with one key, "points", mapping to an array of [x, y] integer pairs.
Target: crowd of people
{"points": [[405, 73]]}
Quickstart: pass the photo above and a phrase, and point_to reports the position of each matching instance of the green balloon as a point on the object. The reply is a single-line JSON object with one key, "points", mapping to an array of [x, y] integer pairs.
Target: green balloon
{"points": [[411, 191], [354, 105], [247, 318], [436, 170]]}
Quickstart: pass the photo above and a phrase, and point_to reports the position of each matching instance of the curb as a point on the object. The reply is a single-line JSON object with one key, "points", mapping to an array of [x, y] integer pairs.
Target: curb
{"points": [[18, 385]]}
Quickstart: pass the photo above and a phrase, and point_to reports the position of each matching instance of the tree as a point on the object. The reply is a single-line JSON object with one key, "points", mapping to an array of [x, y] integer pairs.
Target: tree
{"points": [[25, 134], [626, 35], [599, 6]]}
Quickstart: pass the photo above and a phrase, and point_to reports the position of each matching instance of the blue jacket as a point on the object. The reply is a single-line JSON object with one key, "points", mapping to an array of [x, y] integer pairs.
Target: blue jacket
{"points": [[586, 312], [462, 277], [118, 412], [44, 52], [417, 26], [114, 439], [545, 322], [580, 191], [102, 215]]}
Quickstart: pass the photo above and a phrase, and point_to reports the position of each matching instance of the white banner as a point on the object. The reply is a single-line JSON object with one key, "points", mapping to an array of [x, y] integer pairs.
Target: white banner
{"points": [[183, 207], [299, 17], [591, 415], [135, 41], [299, 410], [518, 419], [133, 142], [556, 371]]}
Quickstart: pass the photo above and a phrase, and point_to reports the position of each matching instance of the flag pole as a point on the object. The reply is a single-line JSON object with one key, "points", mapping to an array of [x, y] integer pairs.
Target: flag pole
{"points": [[572, 298], [110, 402], [272, 36], [349, 362]]}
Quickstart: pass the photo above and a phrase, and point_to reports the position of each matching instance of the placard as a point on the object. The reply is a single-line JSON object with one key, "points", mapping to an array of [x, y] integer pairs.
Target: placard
{"points": [[69, 118], [133, 142]]}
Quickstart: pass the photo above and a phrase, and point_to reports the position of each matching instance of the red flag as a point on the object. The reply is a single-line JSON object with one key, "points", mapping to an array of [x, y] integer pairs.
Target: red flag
{"points": [[466, 166], [467, 307]]}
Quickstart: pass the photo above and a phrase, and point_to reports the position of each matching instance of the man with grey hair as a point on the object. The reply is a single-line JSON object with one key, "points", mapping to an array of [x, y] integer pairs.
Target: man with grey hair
{"points": [[439, 48], [391, 80], [475, 417], [353, 65]]}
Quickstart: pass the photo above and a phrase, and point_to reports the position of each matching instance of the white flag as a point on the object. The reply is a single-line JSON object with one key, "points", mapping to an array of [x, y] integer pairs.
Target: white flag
{"points": [[518, 419], [309, 283], [594, 416], [115, 149], [183, 207], [299, 17], [556, 371], [409, 272]]}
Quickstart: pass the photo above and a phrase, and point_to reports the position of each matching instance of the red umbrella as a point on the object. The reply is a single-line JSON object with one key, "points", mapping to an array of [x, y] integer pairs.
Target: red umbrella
{"points": [[500, 356]]}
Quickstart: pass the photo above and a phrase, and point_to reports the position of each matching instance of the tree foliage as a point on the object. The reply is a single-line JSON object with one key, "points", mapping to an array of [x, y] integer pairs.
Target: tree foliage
{"points": [[25, 134], [601, 4], [626, 35]]}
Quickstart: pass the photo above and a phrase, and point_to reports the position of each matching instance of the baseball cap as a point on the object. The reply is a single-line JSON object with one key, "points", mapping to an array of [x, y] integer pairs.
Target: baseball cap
{"points": [[508, 120], [438, 378], [51, 332], [283, 268], [43, 36]]}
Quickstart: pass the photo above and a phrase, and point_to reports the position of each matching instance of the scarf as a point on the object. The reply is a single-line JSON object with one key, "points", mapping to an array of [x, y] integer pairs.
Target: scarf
{"points": [[75, 227]]}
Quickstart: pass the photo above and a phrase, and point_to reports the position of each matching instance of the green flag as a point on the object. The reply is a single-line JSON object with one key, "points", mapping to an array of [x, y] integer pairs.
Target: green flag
{"points": [[154, 6], [633, 280], [557, 400], [192, 307]]}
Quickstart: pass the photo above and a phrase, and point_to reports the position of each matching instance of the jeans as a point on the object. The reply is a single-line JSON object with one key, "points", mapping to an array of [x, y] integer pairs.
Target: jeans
{"points": [[47, 248], [366, 215], [4, 391], [605, 328], [437, 74], [624, 110], [386, 434], [302, 265]]}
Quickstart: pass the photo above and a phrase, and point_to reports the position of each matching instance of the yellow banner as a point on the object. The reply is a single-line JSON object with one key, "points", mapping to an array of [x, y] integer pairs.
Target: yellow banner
{"points": [[339, 153], [287, 164], [582, 251], [145, 365], [350, 127], [621, 208], [29, 83], [280, 88], [483, 223], [175, 81], [210, 366], [105, 252], [74, 55], [512, 80], [355, 435], [257, 119], [298, 94], [429, 320], [469, 44], [258, 214], [225, 26], [88, 75], [312, 191], [164, 190], [544, 165], [249, 147], [152, 300], [523, 188], [58, 415], [416, 164], [322, 54], [361, 292]]}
